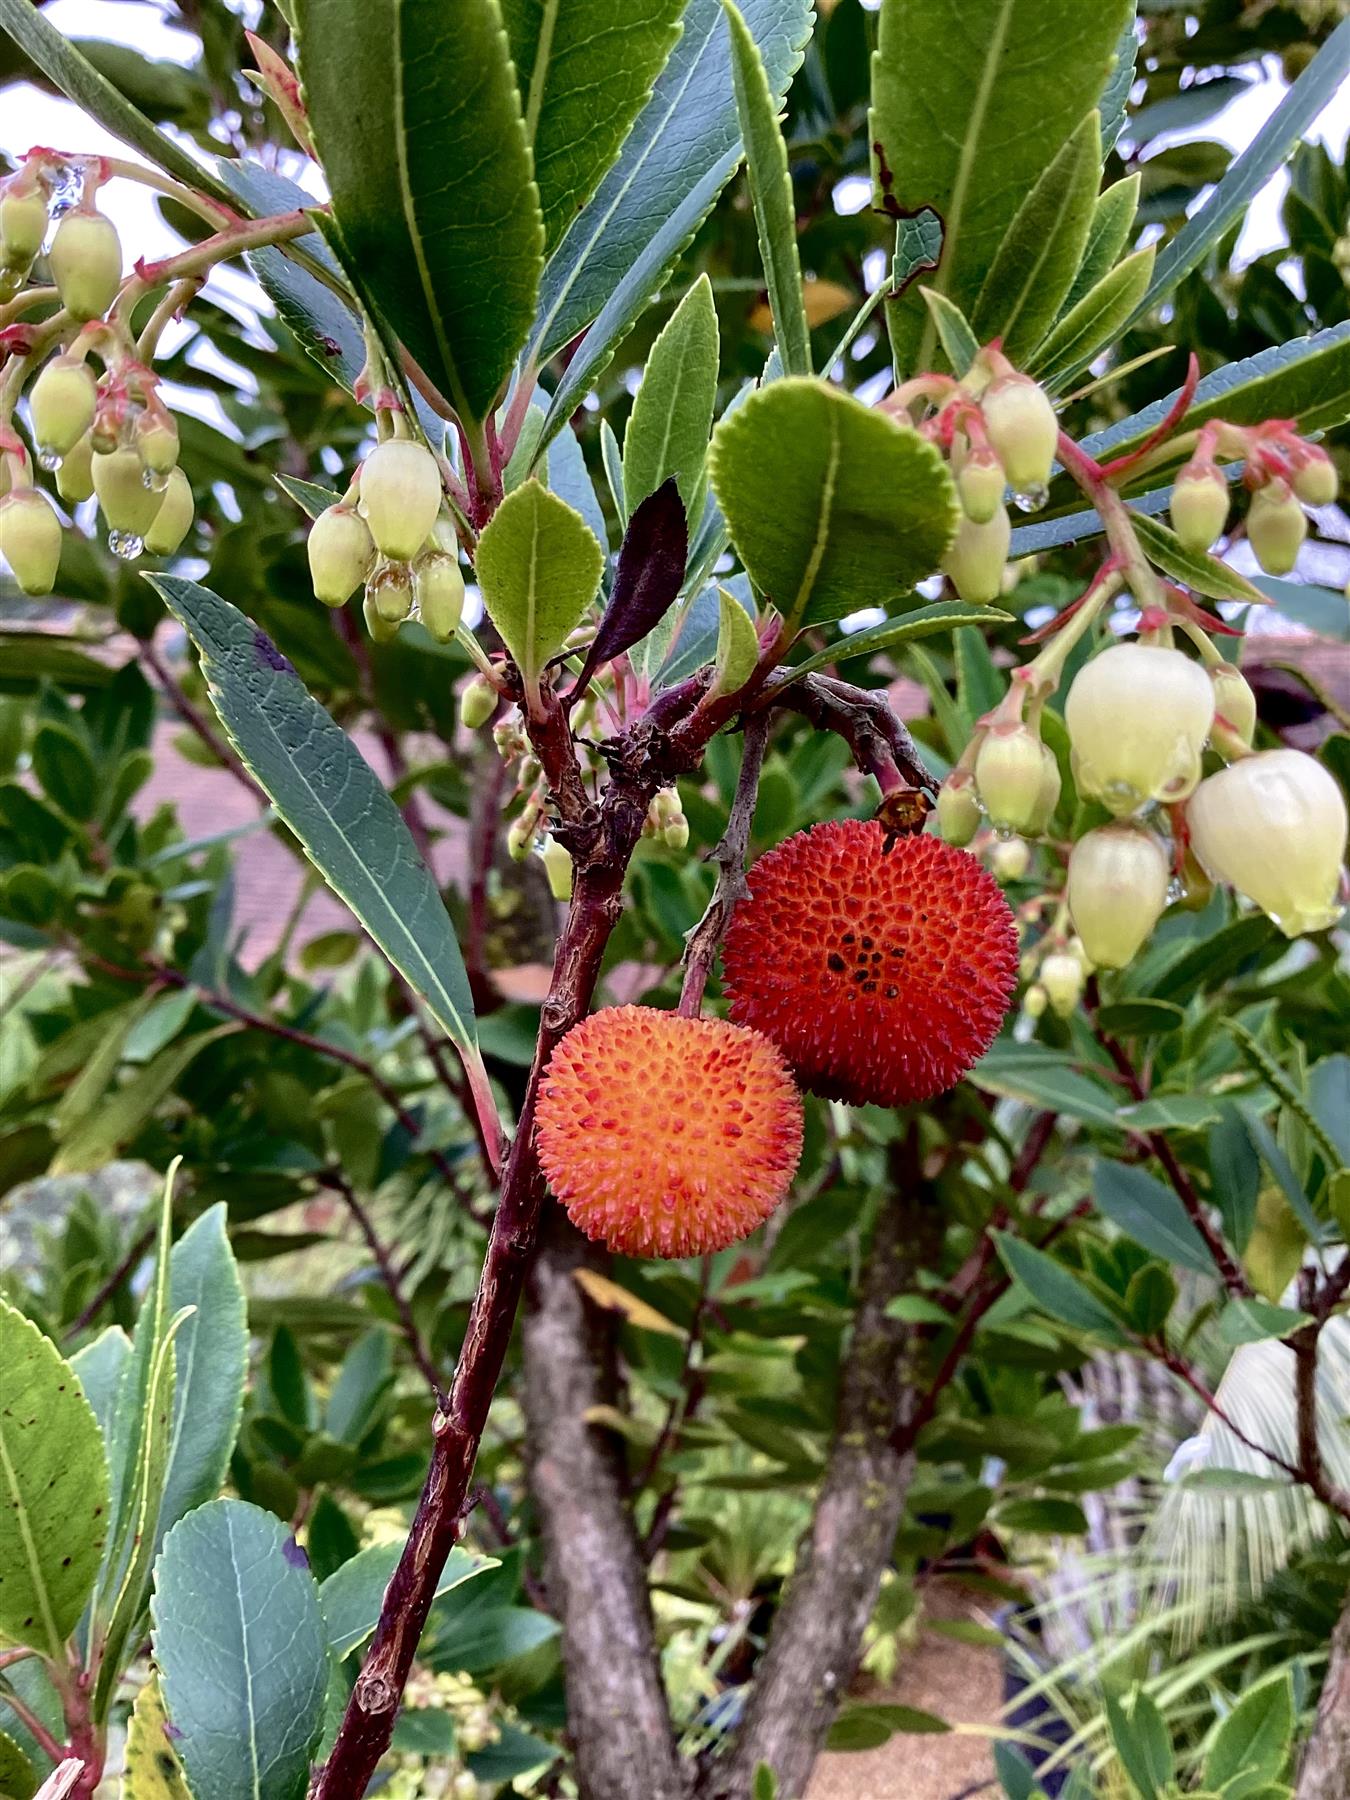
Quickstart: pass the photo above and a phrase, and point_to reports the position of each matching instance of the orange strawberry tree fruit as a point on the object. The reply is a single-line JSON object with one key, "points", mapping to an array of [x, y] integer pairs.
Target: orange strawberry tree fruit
{"points": [[960, 1013]]}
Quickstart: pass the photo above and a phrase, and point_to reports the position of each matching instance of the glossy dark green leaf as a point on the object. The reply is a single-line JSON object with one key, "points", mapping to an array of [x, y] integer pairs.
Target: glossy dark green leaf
{"points": [[1056, 1289], [667, 431], [1201, 572], [1094, 322], [1151, 1214], [351, 1597]]}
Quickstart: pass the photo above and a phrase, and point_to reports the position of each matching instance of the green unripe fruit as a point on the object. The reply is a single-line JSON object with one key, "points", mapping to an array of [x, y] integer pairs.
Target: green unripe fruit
{"points": [[382, 630], [157, 443], [1010, 774], [477, 703], [390, 588], [1117, 890], [980, 485], [1199, 505], [558, 868], [1314, 478], [1023, 429], [63, 399], [1276, 527], [1234, 701], [958, 811], [400, 497], [126, 502], [173, 521], [75, 477], [23, 225], [975, 561], [440, 594], [341, 552], [86, 263], [30, 539]]}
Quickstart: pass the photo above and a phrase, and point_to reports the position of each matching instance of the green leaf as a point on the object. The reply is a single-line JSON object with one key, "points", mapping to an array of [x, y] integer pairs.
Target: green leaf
{"points": [[65, 769], [1108, 234], [765, 1783], [416, 118], [94, 94], [351, 1596], [972, 100], [1116, 97], [1329, 1100], [1254, 1321], [867, 1727], [1094, 322], [1248, 173], [18, 1777], [1307, 380], [737, 645], [683, 148], [53, 1490], [539, 566], [82, 1098], [1200, 571], [333, 801], [121, 1114], [240, 1646], [308, 495], [1149, 1298], [1057, 1290], [153, 1771], [1048, 1078], [1042, 247], [1254, 1739], [770, 196], [1235, 1176], [831, 504], [585, 72], [959, 343], [1170, 1112], [1149, 1213], [1142, 1743], [927, 621], [916, 1309], [99, 1365], [667, 432], [1062, 1518], [1014, 1773], [1322, 610], [1140, 1018]]}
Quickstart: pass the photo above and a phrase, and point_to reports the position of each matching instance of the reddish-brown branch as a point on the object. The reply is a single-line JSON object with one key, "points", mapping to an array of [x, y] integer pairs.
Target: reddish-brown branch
{"points": [[138, 1248], [701, 946]]}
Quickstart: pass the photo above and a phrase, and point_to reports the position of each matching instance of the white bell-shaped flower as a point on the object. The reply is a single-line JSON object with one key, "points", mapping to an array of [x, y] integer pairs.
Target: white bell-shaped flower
{"points": [[1138, 717]]}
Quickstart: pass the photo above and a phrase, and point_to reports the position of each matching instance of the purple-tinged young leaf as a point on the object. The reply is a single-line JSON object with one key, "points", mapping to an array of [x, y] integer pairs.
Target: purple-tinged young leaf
{"points": [[650, 569]]}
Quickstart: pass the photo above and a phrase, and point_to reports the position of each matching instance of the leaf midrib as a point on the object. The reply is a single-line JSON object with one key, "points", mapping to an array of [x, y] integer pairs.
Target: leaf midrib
{"points": [[539, 74], [821, 544], [247, 1662]]}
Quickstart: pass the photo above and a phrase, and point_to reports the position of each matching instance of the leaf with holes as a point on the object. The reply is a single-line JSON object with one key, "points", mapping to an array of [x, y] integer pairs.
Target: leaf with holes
{"points": [[53, 1490], [972, 100], [831, 505], [415, 115]]}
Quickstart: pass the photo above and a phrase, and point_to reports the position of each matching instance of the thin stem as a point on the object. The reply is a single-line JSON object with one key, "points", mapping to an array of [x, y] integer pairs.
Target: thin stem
{"points": [[417, 1345], [702, 943], [31, 1723], [173, 303], [197, 721], [137, 1250]]}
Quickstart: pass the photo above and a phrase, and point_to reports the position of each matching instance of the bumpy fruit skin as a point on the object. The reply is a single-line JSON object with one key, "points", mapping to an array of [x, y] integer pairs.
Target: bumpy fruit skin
{"points": [[1274, 827], [1023, 429], [1276, 527], [667, 1136], [75, 477], [30, 539], [86, 263], [1010, 773], [958, 811], [23, 225], [977, 557], [400, 497], [1199, 505], [340, 553], [173, 521], [440, 594], [1117, 890], [127, 503], [63, 399], [883, 976], [1138, 717]]}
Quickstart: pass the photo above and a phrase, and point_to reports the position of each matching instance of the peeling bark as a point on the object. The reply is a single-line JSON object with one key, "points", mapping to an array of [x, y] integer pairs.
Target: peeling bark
{"points": [[618, 1720]]}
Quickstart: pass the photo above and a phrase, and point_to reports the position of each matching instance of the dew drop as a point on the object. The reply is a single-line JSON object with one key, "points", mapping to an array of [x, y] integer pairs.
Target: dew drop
{"points": [[125, 544], [1031, 499], [154, 479], [48, 459], [1176, 890]]}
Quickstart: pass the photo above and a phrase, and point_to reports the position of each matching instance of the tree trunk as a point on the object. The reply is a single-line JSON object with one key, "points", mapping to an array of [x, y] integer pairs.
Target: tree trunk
{"points": [[618, 1720], [1325, 1774], [816, 1639]]}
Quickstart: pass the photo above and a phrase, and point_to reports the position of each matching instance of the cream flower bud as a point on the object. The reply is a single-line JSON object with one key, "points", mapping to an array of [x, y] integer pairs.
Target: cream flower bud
{"points": [[1023, 429], [1062, 978], [1276, 527], [977, 555], [75, 477], [1199, 505], [1274, 827], [440, 593], [173, 521], [1234, 701], [1035, 1000], [981, 484], [62, 399], [1117, 890], [382, 630], [340, 553], [400, 496], [521, 834], [30, 539], [86, 263], [1010, 774], [1047, 795], [1009, 859], [1314, 477], [958, 811], [390, 591], [1138, 716], [558, 868], [477, 703], [157, 443], [127, 503], [23, 224], [675, 833]]}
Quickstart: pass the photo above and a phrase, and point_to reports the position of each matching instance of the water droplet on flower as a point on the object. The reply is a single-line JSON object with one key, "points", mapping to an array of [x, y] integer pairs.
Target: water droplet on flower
{"points": [[125, 544], [1176, 890], [154, 479], [48, 459], [67, 188], [1031, 499]]}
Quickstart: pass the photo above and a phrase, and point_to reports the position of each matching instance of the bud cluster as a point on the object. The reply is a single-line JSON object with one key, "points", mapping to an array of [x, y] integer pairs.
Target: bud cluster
{"points": [[475, 1730], [1282, 472]]}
